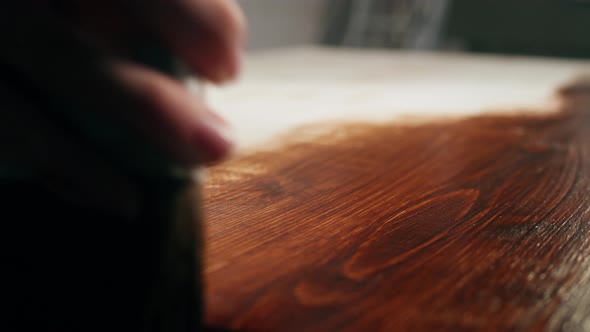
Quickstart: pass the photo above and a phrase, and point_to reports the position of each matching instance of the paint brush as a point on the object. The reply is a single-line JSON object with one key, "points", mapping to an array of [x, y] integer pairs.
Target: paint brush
{"points": [[79, 265]]}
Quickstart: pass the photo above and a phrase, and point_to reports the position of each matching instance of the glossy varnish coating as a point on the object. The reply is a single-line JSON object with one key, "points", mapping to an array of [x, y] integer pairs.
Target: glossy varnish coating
{"points": [[479, 223]]}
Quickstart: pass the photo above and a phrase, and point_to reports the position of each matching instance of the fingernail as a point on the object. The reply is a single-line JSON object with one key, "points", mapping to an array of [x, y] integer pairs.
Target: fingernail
{"points": [[230, 71], [224, 76], [216, 139]]}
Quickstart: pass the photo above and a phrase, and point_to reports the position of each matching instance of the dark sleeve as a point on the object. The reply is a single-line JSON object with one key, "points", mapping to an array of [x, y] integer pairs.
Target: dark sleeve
{"points": [[67, 268]]}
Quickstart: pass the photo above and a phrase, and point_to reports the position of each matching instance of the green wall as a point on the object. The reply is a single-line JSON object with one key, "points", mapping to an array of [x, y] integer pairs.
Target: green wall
{"points": [[532, 27]]}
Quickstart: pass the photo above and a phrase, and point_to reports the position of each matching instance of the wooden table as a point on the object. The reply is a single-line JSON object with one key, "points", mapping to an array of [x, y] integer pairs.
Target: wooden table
{"points": [[392, 191]]}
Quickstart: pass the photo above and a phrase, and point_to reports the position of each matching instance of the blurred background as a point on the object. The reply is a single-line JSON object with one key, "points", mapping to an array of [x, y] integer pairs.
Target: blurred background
{"points": [[558, 28]]}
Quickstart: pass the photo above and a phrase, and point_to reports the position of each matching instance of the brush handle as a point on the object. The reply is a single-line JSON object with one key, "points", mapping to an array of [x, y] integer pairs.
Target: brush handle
{"points": [[172, 207]]}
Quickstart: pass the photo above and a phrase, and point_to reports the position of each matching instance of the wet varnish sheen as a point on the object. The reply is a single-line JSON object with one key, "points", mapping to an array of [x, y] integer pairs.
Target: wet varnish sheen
{"points": [[474, 224]]}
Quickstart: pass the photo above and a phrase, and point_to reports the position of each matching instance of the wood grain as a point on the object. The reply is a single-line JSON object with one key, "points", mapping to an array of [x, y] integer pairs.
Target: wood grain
{"points": [[474, 224]]}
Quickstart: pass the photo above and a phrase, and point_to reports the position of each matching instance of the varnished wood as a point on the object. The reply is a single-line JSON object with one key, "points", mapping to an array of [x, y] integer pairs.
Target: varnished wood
{"points": [[474, 224]]}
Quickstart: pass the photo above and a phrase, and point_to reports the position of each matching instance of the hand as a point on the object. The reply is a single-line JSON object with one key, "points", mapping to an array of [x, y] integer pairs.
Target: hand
{"points": [[78, 50]]}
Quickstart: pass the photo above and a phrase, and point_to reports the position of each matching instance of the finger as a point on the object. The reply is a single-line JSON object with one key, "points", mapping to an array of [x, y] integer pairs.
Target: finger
{"points": [[125, 108], [206, 34], [108, 24], [180, 121]]}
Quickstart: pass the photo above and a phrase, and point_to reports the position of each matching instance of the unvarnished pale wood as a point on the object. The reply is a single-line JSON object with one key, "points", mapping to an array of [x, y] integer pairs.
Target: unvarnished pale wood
{"points": [[286, 88], [479, 223]]}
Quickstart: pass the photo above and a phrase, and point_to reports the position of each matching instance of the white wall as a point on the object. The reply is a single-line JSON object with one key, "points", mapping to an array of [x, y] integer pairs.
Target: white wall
{"points": [[276, 23]]}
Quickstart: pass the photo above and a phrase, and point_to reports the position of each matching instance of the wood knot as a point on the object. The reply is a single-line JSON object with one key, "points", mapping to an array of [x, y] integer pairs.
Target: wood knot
{"points": [[410, 232]]}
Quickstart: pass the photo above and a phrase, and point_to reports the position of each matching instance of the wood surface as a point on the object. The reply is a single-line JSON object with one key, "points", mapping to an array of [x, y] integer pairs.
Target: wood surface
{"points": [[474, 223], [283, 89]]}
